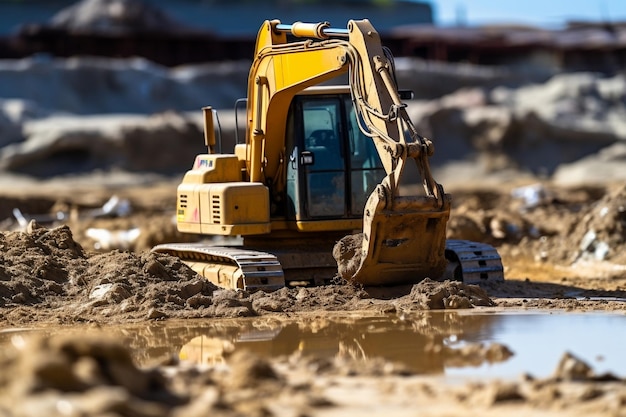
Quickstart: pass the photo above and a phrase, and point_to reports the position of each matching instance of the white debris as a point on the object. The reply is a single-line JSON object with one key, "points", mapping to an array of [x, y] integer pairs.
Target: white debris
{"points": [[532, 195], [113, 239], [591, 246], [99, 292], [115, 207]]}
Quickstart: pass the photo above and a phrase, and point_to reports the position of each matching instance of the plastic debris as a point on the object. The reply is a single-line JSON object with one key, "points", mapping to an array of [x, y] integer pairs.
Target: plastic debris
{"points": [[532, 195], [114, 207], [591, 245], [113, 239], [24, 219]]}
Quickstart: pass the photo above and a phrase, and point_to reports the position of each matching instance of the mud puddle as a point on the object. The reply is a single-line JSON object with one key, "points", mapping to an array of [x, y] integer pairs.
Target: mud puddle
{"points": [[450, 344]]}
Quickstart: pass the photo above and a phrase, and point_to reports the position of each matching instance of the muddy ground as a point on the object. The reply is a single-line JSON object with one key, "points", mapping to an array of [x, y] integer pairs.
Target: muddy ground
{"points": [[563, 248]]}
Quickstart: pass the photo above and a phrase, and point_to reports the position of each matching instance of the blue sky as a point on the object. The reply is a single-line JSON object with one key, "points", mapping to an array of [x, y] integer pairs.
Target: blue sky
{"points": [[535, 12]]}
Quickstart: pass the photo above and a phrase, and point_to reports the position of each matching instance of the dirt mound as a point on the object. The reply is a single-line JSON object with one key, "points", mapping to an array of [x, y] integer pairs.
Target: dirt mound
{"points": [[114, 16], [61, 145], [47, 270], [602, 232], [37, 264], [45, 275], [517, 130], [433, 295], [542, 223]]}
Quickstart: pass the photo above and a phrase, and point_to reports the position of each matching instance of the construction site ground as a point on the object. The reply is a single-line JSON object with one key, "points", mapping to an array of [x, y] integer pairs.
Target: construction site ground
{"points": [[83, 303]]}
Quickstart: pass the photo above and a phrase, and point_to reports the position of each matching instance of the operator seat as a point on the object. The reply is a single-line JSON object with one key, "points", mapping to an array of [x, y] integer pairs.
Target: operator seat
{"points": [[325, 147]]}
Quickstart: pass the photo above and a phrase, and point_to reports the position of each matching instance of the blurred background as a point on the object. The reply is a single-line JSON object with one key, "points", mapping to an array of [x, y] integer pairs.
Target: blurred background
{"points": [[507, 90]]}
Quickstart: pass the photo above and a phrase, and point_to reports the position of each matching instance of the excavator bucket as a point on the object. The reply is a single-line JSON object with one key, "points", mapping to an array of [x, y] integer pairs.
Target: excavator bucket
{"points": [[403, 240]]}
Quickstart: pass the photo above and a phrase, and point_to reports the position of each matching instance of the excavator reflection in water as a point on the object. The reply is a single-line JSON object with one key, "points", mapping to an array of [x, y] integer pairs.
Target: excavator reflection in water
{"points": [[328, 179], [423, 344]]}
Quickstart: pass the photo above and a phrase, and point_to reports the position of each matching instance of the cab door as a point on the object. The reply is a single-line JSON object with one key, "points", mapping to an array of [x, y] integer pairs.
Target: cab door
{"points": [[331, 169], [322, 159]]}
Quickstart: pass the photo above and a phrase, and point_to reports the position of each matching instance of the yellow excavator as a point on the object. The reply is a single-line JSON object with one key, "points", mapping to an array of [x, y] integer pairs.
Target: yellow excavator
{"points": [[330, 179]]}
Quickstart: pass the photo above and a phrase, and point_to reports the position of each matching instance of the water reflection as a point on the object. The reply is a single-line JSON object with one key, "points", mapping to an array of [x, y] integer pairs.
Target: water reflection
{"points": [[424, 343], [450, 343]]}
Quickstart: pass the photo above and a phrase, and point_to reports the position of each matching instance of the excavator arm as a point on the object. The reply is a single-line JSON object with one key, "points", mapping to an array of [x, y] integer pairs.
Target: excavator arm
{"points": [[403, 237]]}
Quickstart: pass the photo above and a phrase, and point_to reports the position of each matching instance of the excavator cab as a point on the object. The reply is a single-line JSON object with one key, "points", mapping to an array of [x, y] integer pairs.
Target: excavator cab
{"points": [[333, 167]]}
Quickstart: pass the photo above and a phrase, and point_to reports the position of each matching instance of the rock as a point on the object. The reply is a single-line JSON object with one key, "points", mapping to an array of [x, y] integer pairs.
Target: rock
{"points": [[155, 314], [571, 368], [109, 293], [32, 226]]}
